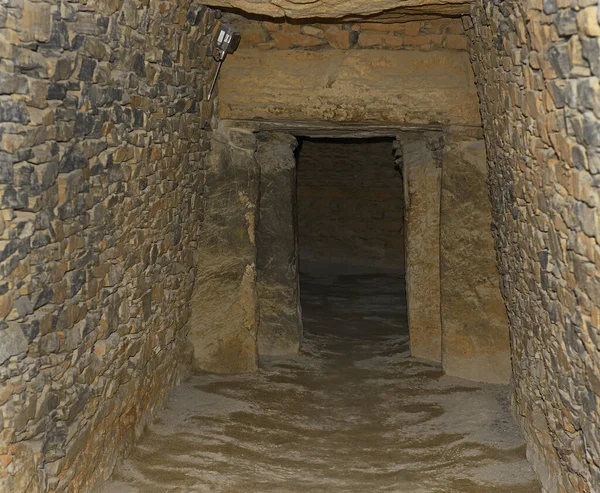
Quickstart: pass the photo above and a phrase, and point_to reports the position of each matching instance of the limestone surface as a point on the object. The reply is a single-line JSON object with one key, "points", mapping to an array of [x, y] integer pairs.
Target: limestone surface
{"points": [[224, 320], [422, 185], [335, 9], [280, 328], [409, 87], [475, 339]]}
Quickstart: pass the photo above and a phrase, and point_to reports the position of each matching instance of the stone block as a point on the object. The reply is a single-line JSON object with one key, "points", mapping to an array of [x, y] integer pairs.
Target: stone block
{"points": [[36, 24], [422, 185], [337, 38], [587, 21], [474, 321], [224, 305], [280, 328], [13, 342], [350, 86]]}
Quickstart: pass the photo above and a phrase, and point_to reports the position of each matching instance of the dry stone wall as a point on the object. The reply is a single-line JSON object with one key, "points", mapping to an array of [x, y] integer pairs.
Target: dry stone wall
{"points": [[425, 35], [101, 181], [350, 203], [537, 65], [401, 88]]}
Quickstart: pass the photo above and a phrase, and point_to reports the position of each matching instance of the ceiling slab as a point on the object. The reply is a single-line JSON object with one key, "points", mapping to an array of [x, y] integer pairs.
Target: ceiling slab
{"points": [[338, 9]]}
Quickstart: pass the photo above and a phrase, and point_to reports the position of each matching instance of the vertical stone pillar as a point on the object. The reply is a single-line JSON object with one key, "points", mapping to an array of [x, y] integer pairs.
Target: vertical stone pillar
{"points": [[422, 178], [474, 322], [280, 328], [224, 320]]}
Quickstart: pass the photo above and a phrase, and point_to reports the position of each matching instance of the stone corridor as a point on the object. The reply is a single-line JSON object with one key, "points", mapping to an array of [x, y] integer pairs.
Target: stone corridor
{"points": [[353, 413], [166, 168]]}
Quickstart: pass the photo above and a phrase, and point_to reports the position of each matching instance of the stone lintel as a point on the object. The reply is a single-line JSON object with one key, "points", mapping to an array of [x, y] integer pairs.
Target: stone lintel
{"points": [[366, 87], [422, 183]]}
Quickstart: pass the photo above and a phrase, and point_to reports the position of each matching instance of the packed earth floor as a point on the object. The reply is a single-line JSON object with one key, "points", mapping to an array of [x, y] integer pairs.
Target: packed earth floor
{"points": [[352, 413]]}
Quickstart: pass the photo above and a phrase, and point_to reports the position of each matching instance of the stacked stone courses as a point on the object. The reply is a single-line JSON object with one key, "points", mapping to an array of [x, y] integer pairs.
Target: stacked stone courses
{"points": [[102, 110], [422, 35], [537, 64]]}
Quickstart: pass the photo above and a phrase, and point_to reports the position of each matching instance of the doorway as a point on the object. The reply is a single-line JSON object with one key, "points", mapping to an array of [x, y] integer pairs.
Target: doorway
{"points": [[350, 222]]}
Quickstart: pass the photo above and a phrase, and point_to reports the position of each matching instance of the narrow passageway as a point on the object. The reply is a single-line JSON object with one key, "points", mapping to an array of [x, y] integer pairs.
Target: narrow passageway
{"points": [[352, 413]]}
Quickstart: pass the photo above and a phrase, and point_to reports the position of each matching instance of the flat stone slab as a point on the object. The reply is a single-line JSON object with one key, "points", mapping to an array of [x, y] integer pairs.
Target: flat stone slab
{"points": [[336, 9], [393, 87]]}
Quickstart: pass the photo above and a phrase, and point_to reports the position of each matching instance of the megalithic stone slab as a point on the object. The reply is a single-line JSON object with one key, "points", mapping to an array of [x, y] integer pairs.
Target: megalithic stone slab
{"points": [[335, 9], [224, 319], [422, 182], [475, 337], [388, 87], [280, 328]]}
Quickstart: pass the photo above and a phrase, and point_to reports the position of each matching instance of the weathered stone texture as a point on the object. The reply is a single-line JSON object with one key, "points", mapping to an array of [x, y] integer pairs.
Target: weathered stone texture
{"points": [[350, 203], [101, 179], [224, 322], [280, 329], [537, 67], [399, 87], [422, 175], [245, 302], [475, 340], [332, 9]]}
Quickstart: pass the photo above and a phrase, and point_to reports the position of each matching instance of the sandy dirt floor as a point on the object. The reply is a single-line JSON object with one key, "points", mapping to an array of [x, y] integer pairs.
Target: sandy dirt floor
{"points": [[353, 413]]}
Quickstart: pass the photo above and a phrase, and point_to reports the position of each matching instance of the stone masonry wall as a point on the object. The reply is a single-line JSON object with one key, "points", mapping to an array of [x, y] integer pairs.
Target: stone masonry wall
{"points": [[425, 35], [101, 180], [537, 64], [350, 203]]}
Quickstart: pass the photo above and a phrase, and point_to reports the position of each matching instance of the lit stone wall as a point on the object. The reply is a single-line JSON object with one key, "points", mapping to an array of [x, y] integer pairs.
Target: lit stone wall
{"points": [[101, 182], [350, 203], [537, 65]]}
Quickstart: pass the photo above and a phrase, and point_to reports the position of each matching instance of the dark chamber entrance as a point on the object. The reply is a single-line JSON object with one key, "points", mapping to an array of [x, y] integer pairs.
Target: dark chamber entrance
{"points": [[351, 238]]}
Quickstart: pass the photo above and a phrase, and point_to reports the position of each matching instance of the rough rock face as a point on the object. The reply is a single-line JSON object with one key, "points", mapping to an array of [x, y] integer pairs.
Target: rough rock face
{"points": [[401, 87], [421, 170], [101, 179], [224, 322], [280, 328], [474, 324], [537, 66], [335, 9]]}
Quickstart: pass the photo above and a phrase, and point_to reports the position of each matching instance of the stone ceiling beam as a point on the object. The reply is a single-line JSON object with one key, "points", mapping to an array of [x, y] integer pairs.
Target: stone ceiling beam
{"points": [[337, 9]]}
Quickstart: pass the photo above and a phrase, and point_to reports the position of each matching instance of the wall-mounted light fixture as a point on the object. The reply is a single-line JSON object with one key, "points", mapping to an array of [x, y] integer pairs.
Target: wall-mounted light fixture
{"points": [[226, 41]]}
